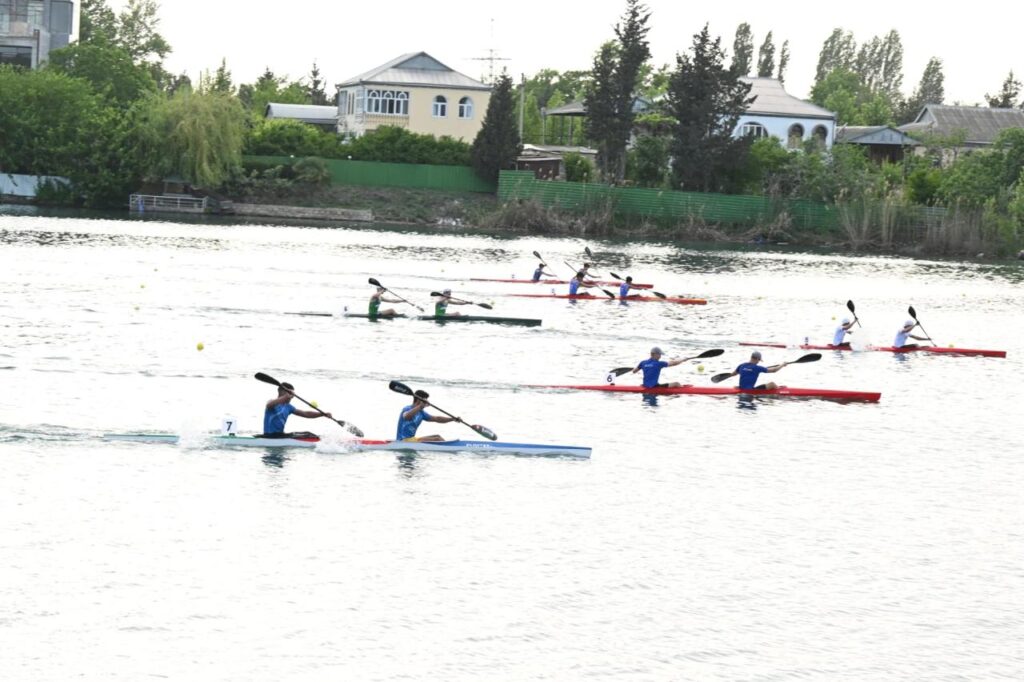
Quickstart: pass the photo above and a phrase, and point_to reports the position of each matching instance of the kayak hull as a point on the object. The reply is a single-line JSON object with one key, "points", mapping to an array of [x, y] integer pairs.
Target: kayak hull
{"points": [[521, 321], [363, 445], [631, 299], [936, 350], [781, 391], [603, 283]]}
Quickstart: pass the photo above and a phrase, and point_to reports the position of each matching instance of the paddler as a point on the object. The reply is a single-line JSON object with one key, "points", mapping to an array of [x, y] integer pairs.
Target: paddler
{"points": [[652, 366], [441, 306], [626, 286], [749, 371], [904, 333], [576, 282], [541, 272], [413, 415], [280, 408], [838, 339], [375, 302]]}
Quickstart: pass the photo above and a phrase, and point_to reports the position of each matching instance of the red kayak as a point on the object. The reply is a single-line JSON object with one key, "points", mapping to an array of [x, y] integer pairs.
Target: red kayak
{"points": [[630, 299], [603, 283], [781, 391], [938, 350]]}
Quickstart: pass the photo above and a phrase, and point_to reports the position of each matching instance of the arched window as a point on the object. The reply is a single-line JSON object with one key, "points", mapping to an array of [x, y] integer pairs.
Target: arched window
{"points": [[465, 108], [796, 136], [754, 130], [440, 106], [820, 136], [388, 102]]}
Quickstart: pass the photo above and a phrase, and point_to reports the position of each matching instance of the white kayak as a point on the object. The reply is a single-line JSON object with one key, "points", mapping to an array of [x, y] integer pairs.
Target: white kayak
{"points": [[361, 445]]}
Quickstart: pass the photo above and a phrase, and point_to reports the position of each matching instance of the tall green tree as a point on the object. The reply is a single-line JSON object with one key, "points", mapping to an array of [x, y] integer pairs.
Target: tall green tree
{"points": [[838, 52], [931, 90], [1007, 96], [317, 94], [97, 23], [616, 78], [197, 135], [843, 92], [220, 81], [497, 144], [706, 100], [137, 32], [783, 62], [110, 70], [743, 50], [766, 57]]}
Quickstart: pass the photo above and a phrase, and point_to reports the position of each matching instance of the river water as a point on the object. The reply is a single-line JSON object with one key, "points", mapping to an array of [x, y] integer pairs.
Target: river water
{"points": [[706, 539]]}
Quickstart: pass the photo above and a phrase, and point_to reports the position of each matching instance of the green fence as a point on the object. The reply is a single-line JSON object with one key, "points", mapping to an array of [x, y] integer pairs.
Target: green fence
{"points": [[665, 204], [378, 174]]}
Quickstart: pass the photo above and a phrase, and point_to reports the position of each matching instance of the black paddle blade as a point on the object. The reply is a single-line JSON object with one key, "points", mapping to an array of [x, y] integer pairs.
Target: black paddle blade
{"points": [[912, 312], [586, 250], [614, 275], [720, 377], [661, 295], [436, 293], [483, 431], [608, 293], [266, 378], [486, 306], [375, 283], [399, 387], [352, 428], [810, 357], [540, 258], [713, 353], [619, 371], [849, 306]]}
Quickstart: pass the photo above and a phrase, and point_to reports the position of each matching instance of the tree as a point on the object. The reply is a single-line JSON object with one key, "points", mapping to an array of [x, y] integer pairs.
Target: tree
{"points": [[197, 135], [841, 91], [783, 62], [97, 23], [648, 161], [110, 70], [533, 126], [615, 79], [317, 94], [930, 90], [137, 32], [706, 101], [766, 57], [838, 52], [1007, 97], [220, 81], [743, 50], [497, 144]]}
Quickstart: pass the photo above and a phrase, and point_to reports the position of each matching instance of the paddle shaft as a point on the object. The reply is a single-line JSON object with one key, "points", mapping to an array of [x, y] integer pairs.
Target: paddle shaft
{"points": [[913, 314], [378, 284], [849, 306], [266, 378], [399, 387]]}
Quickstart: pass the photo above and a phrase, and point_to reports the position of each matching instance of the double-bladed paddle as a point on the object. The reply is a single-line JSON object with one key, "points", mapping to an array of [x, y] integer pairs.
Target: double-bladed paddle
{"points": [[713, 353], [623, 279], [913, 314], [486, 306], [399, 387], [849, 306], [266, 378], [375, 283], [810, 357]]}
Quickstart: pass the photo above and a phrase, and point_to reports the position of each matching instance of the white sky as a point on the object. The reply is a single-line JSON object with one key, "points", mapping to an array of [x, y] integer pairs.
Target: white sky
{"points": [[978, 44]]}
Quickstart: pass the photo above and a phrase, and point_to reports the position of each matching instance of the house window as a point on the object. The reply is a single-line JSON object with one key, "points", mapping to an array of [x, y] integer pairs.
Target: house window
{"points": [[820, 136], [387, 102], [754, 130], [465, 108], [343, 102], [15, 55], [440, 106], [796, 136]]}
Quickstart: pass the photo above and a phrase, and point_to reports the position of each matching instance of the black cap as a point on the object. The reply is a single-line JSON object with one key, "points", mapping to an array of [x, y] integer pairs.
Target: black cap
{"points": [[421, 394]]}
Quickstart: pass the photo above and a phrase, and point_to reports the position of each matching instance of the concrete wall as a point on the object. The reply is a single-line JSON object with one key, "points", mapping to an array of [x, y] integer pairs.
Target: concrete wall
{"points": [[25, 185], [303, 212]]}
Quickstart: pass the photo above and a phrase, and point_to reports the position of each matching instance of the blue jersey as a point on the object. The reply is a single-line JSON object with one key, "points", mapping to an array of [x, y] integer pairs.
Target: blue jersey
{"points": [[574, 285], [275, 417], [749, 372], [652, 371], [624, 290], [537, 273], [407, 427]]}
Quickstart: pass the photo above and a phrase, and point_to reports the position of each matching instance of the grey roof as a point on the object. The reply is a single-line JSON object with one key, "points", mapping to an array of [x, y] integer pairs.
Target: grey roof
{"points": [[773, 100], [416, 69], [570, 109], [307, 113], [874, 135], [980, 124]]}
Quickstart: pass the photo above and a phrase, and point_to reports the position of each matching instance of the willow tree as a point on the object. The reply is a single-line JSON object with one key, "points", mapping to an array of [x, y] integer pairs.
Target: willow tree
{"points": [[196, 135]]}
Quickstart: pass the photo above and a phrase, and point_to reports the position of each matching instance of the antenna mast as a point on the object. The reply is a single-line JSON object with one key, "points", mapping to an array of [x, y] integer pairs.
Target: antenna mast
{"points": [[491, 57]]}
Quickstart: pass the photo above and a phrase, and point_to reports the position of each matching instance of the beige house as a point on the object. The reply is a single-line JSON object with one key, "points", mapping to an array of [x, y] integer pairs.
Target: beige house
{"points": [[416, 92]]}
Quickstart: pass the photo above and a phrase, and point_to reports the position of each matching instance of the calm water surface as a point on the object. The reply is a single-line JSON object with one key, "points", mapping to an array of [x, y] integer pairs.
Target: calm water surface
{"points": [[707, 539]]}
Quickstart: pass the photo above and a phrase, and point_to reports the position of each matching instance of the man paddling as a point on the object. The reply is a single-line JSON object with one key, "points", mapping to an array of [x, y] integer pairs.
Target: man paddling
{"points": [[375, 302], [541, 272], [441, 306], [576, 282], [903, 334], [414, 415], [839, 337], [625, 287], [652, 366], [278, 410], [749, 371]]}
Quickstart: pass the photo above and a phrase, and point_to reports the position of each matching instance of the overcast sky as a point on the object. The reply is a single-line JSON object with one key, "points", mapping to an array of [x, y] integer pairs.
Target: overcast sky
{"points": [[978, 44]]}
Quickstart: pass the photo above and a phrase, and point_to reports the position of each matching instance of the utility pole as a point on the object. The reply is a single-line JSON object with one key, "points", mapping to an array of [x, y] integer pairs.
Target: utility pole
{"points": [[522, 103]]}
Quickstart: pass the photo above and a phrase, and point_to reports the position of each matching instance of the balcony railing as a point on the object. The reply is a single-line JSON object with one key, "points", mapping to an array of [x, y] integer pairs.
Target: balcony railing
{"points": [[377, 120], [142, 203]]}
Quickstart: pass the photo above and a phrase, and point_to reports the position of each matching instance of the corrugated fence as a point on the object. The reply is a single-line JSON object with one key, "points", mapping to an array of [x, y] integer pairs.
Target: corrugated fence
{"points": [[665, 204], [379, 174]]}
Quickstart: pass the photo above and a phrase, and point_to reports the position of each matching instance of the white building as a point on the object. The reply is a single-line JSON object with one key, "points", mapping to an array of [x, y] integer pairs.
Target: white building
{"points": [[776, 113]]}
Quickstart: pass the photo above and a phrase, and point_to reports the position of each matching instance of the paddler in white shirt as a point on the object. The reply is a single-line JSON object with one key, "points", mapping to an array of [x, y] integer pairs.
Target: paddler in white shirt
{"points": [[839, 338], [903, 334]]}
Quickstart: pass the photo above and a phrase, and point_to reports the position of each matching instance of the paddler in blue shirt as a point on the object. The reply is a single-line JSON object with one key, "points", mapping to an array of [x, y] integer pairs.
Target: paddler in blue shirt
{"points": [[652, 367], [278, 410], [541, 272], [903, 334], [414, 415], [441, 306], [749, 371], [576, 282], [375, 302], [625, 287]]}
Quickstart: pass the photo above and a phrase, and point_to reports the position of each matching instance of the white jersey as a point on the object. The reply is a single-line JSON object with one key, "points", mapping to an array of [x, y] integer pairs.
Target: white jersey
{"points": [[839, 336], [901, 338]]}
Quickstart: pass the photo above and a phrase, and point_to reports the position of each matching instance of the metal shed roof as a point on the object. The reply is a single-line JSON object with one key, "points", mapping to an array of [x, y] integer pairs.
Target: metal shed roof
{"points": [[980, 124], [875, 135], [415, 69], [307, 113]]}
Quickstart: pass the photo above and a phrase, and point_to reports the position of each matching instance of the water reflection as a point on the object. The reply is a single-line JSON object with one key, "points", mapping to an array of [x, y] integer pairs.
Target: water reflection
{"points": [[650, 399], [746, 402], [275, 458]]}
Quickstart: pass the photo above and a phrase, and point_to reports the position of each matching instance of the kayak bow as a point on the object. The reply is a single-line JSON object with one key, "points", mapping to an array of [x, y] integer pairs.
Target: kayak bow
{"points": [[631, 299], [781, 391], [603, 283], [937, 350]]}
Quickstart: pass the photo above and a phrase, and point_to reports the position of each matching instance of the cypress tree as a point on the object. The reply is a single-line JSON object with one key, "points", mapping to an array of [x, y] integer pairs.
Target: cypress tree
{"points": [[743, 50], [497, 144], [766, 57]]}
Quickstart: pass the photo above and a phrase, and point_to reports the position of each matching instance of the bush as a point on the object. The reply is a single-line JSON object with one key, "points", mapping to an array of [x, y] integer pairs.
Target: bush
{"points": [[577, 168], [398, 145], [312, 171]]}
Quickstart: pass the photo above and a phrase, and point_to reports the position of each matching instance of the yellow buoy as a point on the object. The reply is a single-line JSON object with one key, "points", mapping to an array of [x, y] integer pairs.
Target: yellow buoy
{"points": [[200, 346], [313, 403], [142, 286], [700, 368]]}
